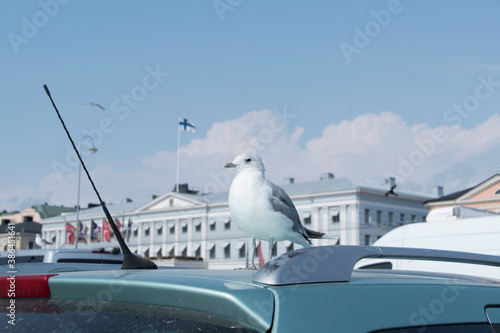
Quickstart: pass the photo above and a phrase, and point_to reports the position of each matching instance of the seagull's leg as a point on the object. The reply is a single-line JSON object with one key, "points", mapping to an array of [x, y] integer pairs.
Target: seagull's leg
{"points": [[253, 252], [271, 243]]}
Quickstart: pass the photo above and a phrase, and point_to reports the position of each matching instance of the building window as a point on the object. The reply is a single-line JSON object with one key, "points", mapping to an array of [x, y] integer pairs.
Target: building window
{"points": [[379, 217], [171, 202], [184, 252], [212, 226], [242, 251], [391, 217], [158, 254], [197, 253], [5, 221], [146, 231], [274, 251], [336, 217], [227, 224], [211, 252], [27, 218], [136, 233], [184, 228], [172, 229], [227, 251], [307, 218], [31, 245], [367, 216], [159, 231], [497, 192], [289, 247], [402, 217], [197, 227], [413, 218], [172, 251], [367, 240]]}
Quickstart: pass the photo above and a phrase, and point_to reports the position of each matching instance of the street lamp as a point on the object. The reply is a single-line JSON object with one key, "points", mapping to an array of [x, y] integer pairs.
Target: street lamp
{"points": [[92, 150]]}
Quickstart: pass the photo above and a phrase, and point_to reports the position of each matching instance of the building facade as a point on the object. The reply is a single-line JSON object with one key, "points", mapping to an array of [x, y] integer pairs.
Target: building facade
{"points": [[199, 225], [25, 224]]}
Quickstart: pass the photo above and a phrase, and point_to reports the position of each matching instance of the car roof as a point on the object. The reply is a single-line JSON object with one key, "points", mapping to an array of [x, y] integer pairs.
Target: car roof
{"points": [[285, 292]]}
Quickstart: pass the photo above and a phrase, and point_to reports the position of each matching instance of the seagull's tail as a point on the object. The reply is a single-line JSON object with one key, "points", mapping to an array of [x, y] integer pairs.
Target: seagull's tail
{"points": [[319, 235]]}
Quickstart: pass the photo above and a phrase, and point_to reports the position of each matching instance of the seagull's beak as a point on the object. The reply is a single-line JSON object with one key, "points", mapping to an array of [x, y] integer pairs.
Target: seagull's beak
{"points": [[229, 165]]}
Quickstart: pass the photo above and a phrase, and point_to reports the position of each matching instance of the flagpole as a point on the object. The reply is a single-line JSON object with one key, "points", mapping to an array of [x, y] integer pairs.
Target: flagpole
{"points": [[178, 151]]}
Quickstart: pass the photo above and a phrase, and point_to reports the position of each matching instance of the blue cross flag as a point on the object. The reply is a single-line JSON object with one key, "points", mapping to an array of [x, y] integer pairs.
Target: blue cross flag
{"points": [[186, 125]]}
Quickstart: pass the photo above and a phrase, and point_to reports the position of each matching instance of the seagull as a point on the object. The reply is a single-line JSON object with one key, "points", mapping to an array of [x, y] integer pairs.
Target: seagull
{"points": [[94, 104], [391, 191], [40, 241], [263, 209]]}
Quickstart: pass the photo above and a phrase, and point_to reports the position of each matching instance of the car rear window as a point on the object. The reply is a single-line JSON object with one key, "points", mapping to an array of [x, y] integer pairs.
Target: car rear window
{"points": [[45, 315]]}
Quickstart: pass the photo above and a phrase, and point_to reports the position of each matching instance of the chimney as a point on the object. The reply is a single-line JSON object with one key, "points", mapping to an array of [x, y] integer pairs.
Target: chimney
{"points": [[438, 191], [326, 175], [288, 180], [391, 181]]}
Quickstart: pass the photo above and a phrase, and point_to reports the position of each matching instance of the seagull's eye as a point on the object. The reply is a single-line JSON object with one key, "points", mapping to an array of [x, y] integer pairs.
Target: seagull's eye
{"points": [[248, 160]]}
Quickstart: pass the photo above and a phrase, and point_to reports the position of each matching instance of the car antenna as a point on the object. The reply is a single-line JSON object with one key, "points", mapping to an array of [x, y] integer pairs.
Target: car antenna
{"points": [[130, 260]]}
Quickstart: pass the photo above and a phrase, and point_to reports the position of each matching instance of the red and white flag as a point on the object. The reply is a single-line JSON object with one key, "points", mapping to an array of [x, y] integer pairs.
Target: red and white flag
{"points": [[70, 234]]}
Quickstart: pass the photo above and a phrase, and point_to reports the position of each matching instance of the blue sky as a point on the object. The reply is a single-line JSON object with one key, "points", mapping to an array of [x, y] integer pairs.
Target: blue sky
{"points": [[363, 89]]}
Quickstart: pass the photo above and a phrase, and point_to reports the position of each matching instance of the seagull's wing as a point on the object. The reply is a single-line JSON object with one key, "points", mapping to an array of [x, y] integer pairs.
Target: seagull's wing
{"points": [[282, 203], [99, 106]]}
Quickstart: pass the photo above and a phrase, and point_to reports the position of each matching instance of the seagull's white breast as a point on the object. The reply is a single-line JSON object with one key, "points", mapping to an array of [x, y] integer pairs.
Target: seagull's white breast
{"points": [[252, 211]]}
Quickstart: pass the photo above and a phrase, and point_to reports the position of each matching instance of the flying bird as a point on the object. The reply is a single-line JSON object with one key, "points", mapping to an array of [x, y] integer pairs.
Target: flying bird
{"points": [[40, 241], [94, 104], [391, 191], [263, 209]]}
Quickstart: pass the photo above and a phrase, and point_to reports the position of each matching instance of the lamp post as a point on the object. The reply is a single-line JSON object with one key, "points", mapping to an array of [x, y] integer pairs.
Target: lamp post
{"points": [[92, 150]]}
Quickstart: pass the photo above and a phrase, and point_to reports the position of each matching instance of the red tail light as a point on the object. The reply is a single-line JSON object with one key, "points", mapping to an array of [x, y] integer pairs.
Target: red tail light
{"points": [[25, 286]]}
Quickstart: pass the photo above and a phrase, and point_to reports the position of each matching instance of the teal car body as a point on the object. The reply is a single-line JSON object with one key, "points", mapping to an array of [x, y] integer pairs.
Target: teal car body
{"points": [[308, 290]]}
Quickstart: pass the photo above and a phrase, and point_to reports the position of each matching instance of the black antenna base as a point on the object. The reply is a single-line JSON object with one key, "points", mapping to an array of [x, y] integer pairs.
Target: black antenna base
{"points": [[131, 261]]}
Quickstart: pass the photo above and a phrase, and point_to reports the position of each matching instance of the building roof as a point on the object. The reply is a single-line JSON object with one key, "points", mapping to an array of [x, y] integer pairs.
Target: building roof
{"points": [[458, 194], [295, 189], [96, 212], [451, 196], [46, 211]]}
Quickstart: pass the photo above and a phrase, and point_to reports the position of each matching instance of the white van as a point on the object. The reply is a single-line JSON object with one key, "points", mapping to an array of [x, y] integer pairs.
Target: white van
{"points": [[88, 256], [476, 235]]}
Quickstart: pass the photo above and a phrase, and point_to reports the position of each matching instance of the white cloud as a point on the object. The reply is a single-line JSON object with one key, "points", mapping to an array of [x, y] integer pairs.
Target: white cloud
{"points": [[370, 146]]}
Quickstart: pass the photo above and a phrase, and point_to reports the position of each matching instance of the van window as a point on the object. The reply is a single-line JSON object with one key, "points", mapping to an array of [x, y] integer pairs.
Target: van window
{"points": [[22, 259], [90, 261]]}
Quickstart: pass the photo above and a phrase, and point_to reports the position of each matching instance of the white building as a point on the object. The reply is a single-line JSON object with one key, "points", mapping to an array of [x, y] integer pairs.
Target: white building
{"points": [[199, 225]]}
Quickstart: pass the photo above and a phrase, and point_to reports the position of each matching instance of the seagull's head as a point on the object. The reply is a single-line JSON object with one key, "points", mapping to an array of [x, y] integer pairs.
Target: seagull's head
{"points": [[247, 162]]}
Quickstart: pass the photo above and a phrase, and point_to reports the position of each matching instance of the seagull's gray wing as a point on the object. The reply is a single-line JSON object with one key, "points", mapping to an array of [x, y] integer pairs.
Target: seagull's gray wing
{"points": [[282, 203]]}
